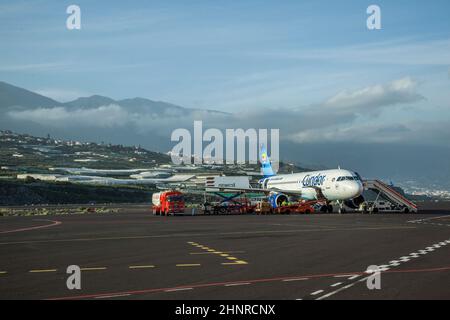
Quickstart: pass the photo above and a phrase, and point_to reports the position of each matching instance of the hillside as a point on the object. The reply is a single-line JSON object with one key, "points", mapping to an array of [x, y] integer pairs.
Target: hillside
{"points": [[12, 96], [23, 150]]}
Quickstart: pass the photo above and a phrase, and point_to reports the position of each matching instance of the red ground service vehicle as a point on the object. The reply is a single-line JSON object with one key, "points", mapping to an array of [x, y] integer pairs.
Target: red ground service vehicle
{"points": [[235, 206], [302, 207], [306, 207], [263, 207], [168, 202]]}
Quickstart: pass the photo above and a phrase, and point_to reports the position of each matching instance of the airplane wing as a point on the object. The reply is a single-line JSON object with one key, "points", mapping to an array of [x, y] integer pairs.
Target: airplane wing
{"points": [[254, 190], [319, 195]]}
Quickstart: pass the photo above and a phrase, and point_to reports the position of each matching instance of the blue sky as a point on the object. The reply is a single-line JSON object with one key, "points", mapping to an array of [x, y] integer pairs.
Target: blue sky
{"points": [[310, 68], [222, 54]]}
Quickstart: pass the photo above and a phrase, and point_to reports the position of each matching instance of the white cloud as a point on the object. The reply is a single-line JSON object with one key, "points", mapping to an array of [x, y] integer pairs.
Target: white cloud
{"points": [[346, 116], [35, 67], [116, 116], [373, 98], [412, 132], [353, 133], [104, 116]]}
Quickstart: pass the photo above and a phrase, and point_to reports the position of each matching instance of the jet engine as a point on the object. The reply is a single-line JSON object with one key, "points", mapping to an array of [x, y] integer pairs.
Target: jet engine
{"points": [[276, 199]]}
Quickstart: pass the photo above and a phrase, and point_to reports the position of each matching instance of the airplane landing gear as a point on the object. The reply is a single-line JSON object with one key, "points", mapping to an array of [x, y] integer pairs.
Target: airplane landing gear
{"points": [[326, 208], [341, 207]]}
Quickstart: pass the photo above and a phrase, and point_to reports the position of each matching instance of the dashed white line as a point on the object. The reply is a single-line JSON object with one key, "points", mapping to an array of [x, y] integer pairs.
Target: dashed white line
{"points": [[382, 268], [405, 259], [237, 284], [43, 270], [336, 284], [141, 267], [294, 279], [178, 289], [316, 292], [93, 269], [188, 265]]}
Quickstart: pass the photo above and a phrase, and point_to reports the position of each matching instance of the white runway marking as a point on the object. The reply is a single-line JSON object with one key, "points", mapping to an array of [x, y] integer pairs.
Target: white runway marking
{"points": [[336, 284], [237, 284], [382, 268], [316, 292], [295, 279], [178, 289]]}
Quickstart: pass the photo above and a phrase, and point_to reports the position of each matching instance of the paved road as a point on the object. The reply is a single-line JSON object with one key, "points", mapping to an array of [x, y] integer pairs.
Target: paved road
{"points": [[134, 255]]}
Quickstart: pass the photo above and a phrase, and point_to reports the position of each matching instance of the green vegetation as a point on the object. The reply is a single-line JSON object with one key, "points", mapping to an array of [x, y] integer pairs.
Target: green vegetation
{"points": [[54, 211], [17, 192], [26, 153]]}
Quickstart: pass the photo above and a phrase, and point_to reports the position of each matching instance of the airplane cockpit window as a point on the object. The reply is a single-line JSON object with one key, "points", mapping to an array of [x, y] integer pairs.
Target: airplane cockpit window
{"points": [[347, 178]]}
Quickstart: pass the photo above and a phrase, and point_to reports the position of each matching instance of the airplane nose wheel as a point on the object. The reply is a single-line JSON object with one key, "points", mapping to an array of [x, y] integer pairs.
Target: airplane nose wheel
{"points": [[341, 207]]}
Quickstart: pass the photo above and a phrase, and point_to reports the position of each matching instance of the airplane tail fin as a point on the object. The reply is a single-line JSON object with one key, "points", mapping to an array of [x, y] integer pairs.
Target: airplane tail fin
{"points": [[266, 167]]}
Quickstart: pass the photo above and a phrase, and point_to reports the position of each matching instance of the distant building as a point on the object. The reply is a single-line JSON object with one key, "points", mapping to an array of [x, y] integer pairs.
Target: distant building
{"points": [[43, 177]]}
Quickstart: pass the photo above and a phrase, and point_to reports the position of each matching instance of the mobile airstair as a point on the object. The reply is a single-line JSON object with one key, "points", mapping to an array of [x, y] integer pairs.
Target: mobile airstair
{"points": [[385, 191]]}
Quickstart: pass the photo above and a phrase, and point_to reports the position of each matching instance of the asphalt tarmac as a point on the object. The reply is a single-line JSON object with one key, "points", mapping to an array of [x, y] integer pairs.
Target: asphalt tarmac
{"points": [[135, 255]]}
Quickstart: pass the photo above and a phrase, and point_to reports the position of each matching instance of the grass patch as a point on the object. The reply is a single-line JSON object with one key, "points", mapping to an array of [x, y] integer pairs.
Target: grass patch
{"points": [[6, 212]]}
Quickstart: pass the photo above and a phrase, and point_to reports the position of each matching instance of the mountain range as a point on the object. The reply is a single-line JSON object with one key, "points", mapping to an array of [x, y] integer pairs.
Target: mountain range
{"points": [[99, 118], [19, 98]]}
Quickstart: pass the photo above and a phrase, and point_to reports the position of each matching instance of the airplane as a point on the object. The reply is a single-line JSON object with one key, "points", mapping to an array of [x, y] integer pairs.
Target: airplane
{"points": [[335, 185]]}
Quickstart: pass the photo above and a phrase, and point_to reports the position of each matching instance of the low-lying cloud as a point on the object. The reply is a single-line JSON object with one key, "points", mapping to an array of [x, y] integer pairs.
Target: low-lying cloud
{"points": [[103, 117], [335, 119], [372, 99]]}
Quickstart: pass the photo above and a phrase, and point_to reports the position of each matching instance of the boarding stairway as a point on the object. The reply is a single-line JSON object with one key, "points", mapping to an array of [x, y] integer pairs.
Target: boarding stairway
{"points": [[390, 194]]}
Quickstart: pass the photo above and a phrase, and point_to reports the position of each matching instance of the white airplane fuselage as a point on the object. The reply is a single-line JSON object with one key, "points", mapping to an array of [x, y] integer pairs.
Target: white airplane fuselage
{"points": [[336, 184]]}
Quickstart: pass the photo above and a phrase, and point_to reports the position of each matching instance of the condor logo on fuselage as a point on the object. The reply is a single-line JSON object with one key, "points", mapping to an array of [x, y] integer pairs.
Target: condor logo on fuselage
{"points": [[313, 181]]}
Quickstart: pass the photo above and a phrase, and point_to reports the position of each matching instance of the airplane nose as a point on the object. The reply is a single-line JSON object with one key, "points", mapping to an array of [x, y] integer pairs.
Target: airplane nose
{"points": [[360, 188], [355, 189]]}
